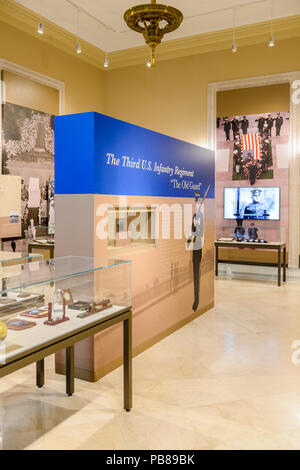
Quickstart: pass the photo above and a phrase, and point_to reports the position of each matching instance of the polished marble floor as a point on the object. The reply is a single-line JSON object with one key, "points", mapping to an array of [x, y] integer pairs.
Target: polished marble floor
{"points": [[224, 381]]}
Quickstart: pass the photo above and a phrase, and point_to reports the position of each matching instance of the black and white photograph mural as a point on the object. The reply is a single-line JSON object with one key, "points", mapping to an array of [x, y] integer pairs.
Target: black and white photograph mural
{"points": [[28, 151]]}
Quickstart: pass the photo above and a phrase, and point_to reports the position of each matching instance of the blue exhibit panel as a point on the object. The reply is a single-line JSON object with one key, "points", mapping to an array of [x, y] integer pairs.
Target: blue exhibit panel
{"points": [[96, 154], [74, 154]]}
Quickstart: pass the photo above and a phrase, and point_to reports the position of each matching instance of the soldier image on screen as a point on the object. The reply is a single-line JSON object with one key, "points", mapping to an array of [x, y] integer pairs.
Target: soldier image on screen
{"points": [[256, 209], [197, 238]]}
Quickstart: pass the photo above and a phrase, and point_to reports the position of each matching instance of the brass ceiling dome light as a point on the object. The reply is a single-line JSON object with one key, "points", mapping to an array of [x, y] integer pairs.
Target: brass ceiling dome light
{"points": [[153, 21]]}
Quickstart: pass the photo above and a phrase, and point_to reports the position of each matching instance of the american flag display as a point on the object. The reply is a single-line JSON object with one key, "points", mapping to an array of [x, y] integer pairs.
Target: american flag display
{"points": [[252, 142]]}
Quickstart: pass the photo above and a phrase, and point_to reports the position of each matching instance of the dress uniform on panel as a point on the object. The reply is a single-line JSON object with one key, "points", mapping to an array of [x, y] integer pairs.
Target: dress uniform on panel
{"points": [[235, 126], [270, 122], [260, 124], [197, 238], [227, 127], [244, 125], [278, 123]]}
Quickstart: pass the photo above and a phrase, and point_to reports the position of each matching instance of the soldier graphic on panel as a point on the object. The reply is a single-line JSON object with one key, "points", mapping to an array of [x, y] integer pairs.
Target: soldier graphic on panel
{"points": [[197, 238], [270, 122], [244, 125], [227, 127], [252, 171], [260, 124], [278, 124], [235, 127], [265, 131]]}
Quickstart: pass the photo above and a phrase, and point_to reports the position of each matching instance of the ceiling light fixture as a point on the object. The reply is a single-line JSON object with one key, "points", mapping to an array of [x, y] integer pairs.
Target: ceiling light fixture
{"points": [[153, 21], [272, 39], [234, 46], [78, 48], [41, 28], [78, 45], [106, 61]]}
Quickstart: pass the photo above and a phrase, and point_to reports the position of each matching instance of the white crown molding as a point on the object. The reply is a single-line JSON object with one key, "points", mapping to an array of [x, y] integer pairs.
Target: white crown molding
{"points": [[8, 66], [26, 20]]}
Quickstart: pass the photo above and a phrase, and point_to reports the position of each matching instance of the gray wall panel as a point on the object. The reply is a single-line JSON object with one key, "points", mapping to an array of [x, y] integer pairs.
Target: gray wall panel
{"points": [[74, 225]]}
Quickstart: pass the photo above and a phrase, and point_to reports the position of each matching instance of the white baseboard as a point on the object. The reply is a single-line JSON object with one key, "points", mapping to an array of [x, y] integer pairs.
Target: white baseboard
{"points": [[259, 273]]}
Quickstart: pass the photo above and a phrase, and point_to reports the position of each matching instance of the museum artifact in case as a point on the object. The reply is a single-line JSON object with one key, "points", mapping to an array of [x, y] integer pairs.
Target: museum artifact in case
{"points": [[123, 231], [49, 299], [248, 231]]}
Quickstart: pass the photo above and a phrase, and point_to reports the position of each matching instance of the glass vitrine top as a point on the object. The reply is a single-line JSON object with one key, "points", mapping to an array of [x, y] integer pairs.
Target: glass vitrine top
{"points": [[8, 256], [42, 272]]}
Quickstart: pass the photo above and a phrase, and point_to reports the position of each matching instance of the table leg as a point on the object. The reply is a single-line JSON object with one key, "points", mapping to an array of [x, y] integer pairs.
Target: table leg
{"points": [[70, 370], [284, 264], [216, 260], [40, 373], [127, 351], [279, 266]]}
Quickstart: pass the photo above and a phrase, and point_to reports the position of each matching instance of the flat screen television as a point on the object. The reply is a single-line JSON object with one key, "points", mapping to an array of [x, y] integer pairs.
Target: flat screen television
{"points": [[252, 203]]}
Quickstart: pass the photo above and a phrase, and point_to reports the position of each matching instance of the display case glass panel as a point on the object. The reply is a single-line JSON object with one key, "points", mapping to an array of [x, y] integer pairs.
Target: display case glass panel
{"points": [[52, 298], [11, 262], [10, 258]]}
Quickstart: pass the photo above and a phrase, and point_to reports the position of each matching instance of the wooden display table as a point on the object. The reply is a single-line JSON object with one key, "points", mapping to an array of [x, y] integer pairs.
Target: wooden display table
{"points": [[35, 245], [276, 246]]}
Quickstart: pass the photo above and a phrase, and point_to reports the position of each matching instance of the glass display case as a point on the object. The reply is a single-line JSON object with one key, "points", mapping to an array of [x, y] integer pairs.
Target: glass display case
{"points": [[49, 299], [9, 258], [11, 263]]}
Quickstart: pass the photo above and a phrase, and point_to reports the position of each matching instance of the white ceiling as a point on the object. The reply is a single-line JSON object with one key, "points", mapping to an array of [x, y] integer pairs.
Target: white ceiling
{"points": [[104, 27]]}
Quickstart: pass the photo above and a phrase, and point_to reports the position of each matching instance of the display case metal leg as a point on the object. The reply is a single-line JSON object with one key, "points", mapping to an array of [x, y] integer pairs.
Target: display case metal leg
{"points": [[40, 373], [127, 345], [279, 266], [216, 260], [284, 264], [70, 370]]}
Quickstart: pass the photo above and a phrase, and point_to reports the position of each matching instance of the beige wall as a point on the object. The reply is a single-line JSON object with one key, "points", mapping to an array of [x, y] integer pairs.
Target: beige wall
{"points": [[172, 98], [31, 94], [262, 99], [84, 87]]}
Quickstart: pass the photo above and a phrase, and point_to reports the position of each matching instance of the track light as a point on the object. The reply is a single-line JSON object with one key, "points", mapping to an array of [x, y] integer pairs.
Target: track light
{"points": [[41, 28], [272, 41], [78, 48], [234, 46], [106, 62]]}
